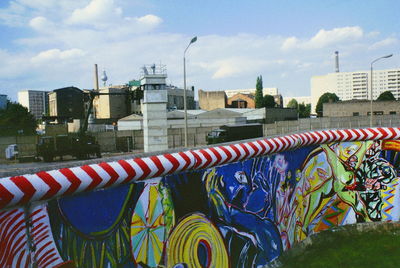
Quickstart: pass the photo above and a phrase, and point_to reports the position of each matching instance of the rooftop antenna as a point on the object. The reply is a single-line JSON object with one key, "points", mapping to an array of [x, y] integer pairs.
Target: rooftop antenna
{"points": [[337, 61], [145, 70], [104, 78]]}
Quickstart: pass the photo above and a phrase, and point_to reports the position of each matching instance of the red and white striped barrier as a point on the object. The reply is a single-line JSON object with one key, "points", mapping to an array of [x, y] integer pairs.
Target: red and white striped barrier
{"points": [[45, 185]]}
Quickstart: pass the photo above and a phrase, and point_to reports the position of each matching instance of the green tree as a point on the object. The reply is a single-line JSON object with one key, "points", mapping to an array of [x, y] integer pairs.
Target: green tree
{"points": [[304, 110], [326, 97], [386, 96], [15, 119], [269, 101], [293, 104], [259, 101]]}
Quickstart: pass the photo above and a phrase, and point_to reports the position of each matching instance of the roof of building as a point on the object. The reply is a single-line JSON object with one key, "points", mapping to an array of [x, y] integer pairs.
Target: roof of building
{"points": [[132, 117], [251, 96], [65, 88], [241, 110], [193, 112], [220, 112]]}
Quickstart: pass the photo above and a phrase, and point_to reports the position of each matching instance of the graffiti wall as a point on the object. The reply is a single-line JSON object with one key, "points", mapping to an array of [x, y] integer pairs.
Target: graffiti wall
{"points": [[239, 214]]}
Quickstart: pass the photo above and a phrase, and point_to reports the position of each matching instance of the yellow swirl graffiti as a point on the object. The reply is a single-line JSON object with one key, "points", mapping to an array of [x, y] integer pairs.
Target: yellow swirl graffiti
{"points": [[191, 235]]}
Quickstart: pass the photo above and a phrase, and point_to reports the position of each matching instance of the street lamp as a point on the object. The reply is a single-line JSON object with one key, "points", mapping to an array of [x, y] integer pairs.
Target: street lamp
{"points": [[194, 39], [384, 57]]}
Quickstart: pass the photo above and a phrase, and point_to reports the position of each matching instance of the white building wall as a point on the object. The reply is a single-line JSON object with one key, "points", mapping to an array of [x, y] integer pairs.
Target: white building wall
{"points": [[355, 85]]}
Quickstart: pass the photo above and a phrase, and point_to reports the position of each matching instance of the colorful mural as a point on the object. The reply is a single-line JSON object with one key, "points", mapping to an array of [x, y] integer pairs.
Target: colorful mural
{"points": [[241, 214]]}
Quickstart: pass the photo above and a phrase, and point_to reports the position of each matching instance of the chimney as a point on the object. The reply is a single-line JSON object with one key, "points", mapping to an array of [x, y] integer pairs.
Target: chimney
{"points": [[337, 61], [96, 78]]}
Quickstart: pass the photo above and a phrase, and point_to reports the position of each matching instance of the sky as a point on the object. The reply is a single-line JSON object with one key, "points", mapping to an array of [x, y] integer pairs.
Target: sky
{"points": [[50, 44]]}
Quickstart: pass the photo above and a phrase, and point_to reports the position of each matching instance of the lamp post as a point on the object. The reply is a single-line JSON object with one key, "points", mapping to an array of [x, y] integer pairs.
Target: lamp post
{"points": [[371, 110], [194, 39]]}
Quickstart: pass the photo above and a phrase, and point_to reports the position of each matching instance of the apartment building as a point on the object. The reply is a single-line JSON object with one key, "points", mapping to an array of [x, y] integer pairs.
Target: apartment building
{"points": [[36, 101], [355, 85]]}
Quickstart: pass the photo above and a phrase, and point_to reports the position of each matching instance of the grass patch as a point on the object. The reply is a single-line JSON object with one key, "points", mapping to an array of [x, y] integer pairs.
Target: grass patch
{"points": [[348, 247]]}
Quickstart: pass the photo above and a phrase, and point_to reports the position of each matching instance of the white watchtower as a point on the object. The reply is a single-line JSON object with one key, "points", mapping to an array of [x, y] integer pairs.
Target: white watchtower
{"points": [[154, 108]]}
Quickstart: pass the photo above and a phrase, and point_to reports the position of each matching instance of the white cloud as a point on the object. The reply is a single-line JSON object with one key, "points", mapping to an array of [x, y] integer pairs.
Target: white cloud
{"points": [[384, 43], [337, 35], [13, 15], [324, 38], [37, 3], [290, 43], [57, 54], [41, 24], [96, 11], [149, 20], [63, 53]]}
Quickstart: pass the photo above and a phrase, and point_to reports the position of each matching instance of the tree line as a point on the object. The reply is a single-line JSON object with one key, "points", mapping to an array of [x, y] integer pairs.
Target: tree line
{"points": [[15, 119]]}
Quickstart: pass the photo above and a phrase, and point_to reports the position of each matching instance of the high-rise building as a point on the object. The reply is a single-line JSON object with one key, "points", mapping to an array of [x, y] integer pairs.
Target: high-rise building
{"points": [[355, 85], [36, 101], [3, 101]]}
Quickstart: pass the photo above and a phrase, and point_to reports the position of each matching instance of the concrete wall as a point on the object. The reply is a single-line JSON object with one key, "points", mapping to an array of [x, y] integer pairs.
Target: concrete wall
{"points": [[113, 140], [280, 114], [203, 207], [283, 127], [355, 108], [26, 145], [196, 136]]}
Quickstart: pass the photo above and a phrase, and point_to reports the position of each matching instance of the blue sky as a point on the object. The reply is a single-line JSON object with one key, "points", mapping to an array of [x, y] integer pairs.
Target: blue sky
{"points": [[48, 44]]}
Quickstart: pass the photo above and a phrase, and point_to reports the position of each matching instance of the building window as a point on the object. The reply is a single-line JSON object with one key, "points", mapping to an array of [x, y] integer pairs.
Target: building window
{"points": [[392, 112], [378, 113], [356, 114]]}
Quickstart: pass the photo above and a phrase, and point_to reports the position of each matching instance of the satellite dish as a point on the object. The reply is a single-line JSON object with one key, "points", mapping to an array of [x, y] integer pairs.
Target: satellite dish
{"points": [[153, 67]]}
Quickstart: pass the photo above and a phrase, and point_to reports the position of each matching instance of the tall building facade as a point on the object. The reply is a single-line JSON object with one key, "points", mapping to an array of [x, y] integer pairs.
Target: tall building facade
{"points": [[3, 101], [355, 85], [36, 101]]}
